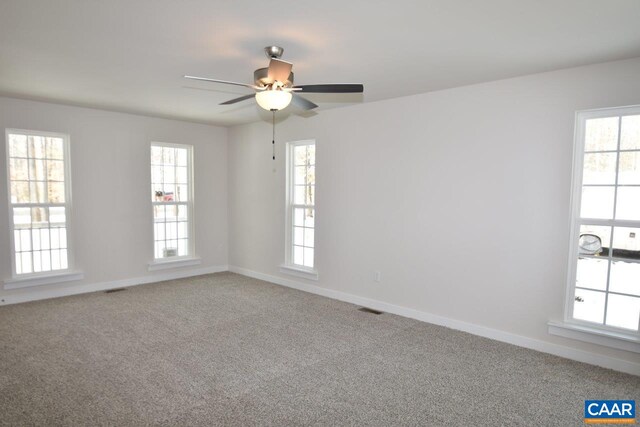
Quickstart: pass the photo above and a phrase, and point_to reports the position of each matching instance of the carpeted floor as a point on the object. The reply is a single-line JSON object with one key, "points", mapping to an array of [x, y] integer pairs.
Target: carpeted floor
{"points": [[225, 349]]}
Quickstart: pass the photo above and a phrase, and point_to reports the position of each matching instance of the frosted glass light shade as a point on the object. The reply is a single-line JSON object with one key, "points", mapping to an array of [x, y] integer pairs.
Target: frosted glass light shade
{"points": [[273, 99]]}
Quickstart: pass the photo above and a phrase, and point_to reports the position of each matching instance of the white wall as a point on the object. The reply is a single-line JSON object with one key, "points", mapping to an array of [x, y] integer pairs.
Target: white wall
{"points": [[111, 208], [459, 197]]}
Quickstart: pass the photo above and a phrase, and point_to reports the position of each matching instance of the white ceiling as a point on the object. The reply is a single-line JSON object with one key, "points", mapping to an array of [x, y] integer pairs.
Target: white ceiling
{"points": [[129, 55]]}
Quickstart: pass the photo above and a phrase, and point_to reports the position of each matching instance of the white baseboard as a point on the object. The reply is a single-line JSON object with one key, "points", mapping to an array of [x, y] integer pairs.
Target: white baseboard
{"points": [[44, 293], [507, 337]]}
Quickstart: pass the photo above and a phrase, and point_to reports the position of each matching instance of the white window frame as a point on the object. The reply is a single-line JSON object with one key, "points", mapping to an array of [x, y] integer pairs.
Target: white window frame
{"points": [[52, 276], [576, 328], [288, 266], [191, 258]]}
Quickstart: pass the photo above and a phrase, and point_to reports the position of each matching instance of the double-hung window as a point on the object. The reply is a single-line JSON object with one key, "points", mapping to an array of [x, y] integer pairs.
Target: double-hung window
{"points": [[604, 270], [301, 189], [172, 199], [39, 201]]}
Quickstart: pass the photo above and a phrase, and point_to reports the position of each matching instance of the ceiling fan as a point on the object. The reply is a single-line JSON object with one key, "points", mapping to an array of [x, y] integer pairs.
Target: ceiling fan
{"points": [[274, 88]]}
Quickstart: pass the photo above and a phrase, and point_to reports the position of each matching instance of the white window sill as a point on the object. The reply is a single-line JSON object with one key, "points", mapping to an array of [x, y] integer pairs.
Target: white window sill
{"points": [[305, 273], [42, 279], [174, 263], [619, 340]]}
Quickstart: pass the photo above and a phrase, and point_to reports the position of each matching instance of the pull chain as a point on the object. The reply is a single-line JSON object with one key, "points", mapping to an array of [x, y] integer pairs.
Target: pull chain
{"points": [[273, 140]]}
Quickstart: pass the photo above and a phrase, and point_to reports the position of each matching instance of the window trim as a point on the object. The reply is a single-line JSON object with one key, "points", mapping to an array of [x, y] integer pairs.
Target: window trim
{"points": [[191, 258], [571, 327], [288, 266], [52, 276]]}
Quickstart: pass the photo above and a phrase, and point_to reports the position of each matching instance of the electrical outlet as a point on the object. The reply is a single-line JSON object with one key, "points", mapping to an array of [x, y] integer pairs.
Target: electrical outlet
{"points": [[377, 276]]}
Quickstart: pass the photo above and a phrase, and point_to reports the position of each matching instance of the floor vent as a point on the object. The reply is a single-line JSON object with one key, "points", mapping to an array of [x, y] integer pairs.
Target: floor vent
{"points": [[110, 291], [369, 310]]}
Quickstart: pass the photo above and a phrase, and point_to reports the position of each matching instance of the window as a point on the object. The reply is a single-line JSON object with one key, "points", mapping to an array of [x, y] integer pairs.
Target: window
{"points": [[604, 274], [172, 199], [301, 180], [39, 201]]}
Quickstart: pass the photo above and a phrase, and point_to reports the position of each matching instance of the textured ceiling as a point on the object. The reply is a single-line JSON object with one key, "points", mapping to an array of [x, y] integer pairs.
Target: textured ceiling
{"points": [[130, 55]]}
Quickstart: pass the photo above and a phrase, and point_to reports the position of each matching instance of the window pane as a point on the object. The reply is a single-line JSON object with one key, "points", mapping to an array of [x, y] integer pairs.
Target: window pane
{"points": [[17, 145], [309, 217], [589, 305], [311, 153], [25, 240], [628, 203], [183, 230], [300, 155], [156, 174], [172, 230], [601, 134], [592, 273], [158, 213], [182, 212], [55, 148], [63, 259], [299, 194], [298, 255], [626, 242], [599, 168], [36, 170], [298, 236], [597, 202], [20, 192], [623, 311], [46, 259], [310, 195], [63, 237], [18, 170], [39, 217], [169, 174], [311, 175], [630, 133], [55, 170], [25, 259], [183, 247], [308, 237], [21, 217], [308, 257], [181, 157], [45, 241], [181, 175], [57, 215], [38, 192], [56, 192], [300, 175], [298, 217], [36, 147], [182, 193], [168, 155], [625, 277], [629, 169]]}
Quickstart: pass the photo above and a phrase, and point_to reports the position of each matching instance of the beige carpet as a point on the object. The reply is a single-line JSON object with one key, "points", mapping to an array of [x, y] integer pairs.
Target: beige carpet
{"points": [[224, 349]]}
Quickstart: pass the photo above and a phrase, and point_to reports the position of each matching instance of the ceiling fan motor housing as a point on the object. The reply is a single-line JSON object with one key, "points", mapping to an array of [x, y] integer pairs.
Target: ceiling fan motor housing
{"points": [[261, 77]]}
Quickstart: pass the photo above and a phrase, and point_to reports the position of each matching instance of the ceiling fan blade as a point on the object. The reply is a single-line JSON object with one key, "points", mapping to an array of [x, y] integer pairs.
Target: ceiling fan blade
{"points": [[205, 79], [279, 70], [242, 98], [303, 103], [332, 88]]}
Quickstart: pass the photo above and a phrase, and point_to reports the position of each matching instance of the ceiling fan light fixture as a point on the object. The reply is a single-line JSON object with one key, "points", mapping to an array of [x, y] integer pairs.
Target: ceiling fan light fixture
{"points": [[273, 99]]}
